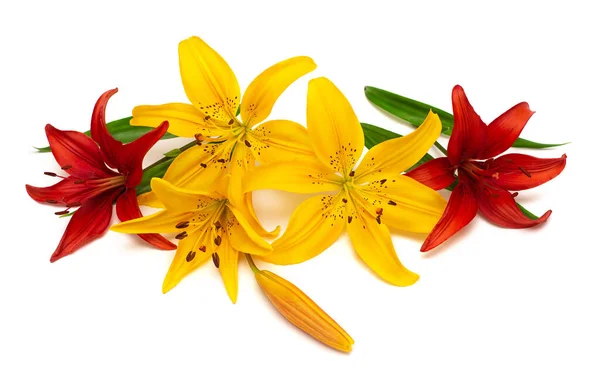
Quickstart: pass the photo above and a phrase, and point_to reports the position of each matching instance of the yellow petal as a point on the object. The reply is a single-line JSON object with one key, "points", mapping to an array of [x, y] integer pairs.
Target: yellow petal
{"points": [[163, 221], [301, 311], [333, 127], [406, 204], [399, 154], [177, 199], [262, 93], [242, 162], [209, 82], [373, 243], [242, 235], [304, 176], [184, 119], [279, 140], [149, 199], [315, 225], [228, 267], [192, 252]]}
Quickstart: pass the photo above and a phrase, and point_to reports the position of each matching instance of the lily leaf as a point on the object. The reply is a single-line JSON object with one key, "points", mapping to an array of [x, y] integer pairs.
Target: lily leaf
{"points": [[375, 135], [414, 112], [157, 170], [122, 131]]}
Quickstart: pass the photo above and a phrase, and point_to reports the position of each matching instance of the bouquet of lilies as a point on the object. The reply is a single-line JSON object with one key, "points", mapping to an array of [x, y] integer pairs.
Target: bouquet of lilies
{"points": [[203, 190]]}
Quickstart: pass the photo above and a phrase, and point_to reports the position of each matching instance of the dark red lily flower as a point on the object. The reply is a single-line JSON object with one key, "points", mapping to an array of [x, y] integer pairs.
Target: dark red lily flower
{"points": [[484, 181], [92, 185]]}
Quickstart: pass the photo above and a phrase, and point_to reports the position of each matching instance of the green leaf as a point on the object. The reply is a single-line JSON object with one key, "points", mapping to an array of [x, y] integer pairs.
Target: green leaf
{"points": [[122, 131], [157, 170], [172, 153], [415, 112], [375, 135]]}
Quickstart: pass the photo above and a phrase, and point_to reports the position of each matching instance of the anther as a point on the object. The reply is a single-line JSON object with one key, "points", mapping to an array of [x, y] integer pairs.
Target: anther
{"points": [[248, 144], [379, 211], [183, 224], [198, 137], [344, 200], [190, 256], [216, 261], [351, 174], [525, 171], [393, 203], [50, 174], [52, 201], [71, 204], [181, 235], [80, 181], [66, 167], [62, 212], [230, 121], [349, 219], [378, 219], [202, 248], [203, 165], [218, 240], [221, 160], [382, 181], [207, 117], [217, 225]]}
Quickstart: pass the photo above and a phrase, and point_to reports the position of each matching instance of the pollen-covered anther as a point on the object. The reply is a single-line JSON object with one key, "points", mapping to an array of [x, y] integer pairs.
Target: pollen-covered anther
{"points": [[378, 219], [221, 160], [349, 219], [216, 260], [62, 212], [183, 224], [66, 167], [202, 248], [198, 137], [351, 174], [230, 122], [203, 165], [190, 256], [248, 144], [382, 181], [207, 117], [523, 170], [218, 240], [181, 235], [80, 181], [345, 200], [50, 174], [217, 225], [393, 203], [379, 211], [72, 204]]}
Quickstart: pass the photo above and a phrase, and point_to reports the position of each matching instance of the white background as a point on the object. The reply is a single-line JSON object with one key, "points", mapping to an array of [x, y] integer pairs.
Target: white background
{"points": [[490, 302]]}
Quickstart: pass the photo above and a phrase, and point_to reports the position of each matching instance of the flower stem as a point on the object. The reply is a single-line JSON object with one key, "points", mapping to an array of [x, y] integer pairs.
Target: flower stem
{"points": [[251, 263], [441, 148], [164, 159]]}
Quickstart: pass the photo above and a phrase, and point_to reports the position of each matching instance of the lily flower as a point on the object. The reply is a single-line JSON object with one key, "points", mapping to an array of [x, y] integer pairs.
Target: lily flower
{"points": [[91, 185], [293, 304], [208, 226], [365, 200], [214, 93], [484, 179]]}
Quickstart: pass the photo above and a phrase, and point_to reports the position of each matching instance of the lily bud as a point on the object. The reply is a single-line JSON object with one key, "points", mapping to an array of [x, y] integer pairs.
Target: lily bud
{"points": [[301, 311]]}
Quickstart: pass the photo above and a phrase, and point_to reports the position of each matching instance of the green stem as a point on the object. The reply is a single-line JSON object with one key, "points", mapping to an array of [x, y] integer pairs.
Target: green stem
{"points": [[164, 159], [441, 148], [253, 266]]}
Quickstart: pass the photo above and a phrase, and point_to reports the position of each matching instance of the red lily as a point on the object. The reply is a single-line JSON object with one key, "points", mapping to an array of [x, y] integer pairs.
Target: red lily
{"points": [[94, 186], [484, 181]]}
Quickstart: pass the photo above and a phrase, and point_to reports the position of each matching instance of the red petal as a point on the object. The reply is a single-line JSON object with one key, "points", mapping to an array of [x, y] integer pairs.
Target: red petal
{"points": [[110, 148], [134, 152], [516, 172], [62, 193], [504, 131], [436, 174], [461, 209], [89, 222], [468, 134], [127, 208], [77, 153], [500, 208]]}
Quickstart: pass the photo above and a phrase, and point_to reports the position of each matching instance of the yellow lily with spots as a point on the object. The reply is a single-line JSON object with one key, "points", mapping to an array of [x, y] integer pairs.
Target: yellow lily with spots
{"points": [[208, 225], [214, 93], [366, 199]]}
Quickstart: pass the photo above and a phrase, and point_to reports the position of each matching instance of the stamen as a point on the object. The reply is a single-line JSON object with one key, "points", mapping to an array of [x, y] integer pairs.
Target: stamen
{"points": [[525, 171], [50, 174], [80, 181], [345, 200], [70, 205], [392, 203], [379, 211], [52, 201], [216, 260], [66, 167], [62, 212], [198, 137], [183, 224], [190, 256], [349, 219], [202, 248], [203, 165], [181, 235], [230, 121], [515, 194], [351, 174], [217, 225], [218, 240], [248, 144]]}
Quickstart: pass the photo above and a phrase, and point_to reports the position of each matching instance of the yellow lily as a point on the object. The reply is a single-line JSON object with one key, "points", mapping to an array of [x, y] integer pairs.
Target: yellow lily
{"points": [[208, 225], [367, 199], [214, 93]]}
